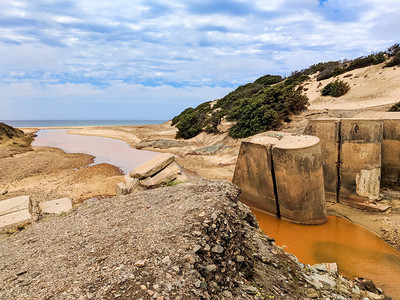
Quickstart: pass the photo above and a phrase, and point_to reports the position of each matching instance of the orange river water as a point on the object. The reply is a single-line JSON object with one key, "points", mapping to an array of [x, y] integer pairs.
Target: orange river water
{"points": [[357, 251]]}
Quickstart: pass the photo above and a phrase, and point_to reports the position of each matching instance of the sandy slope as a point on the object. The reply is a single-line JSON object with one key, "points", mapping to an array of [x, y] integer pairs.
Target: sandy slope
{"points": [[370, 87]]}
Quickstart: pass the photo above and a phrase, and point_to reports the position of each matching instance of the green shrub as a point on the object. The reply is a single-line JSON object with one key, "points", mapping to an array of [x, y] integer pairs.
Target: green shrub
{"points": [[336, 88], [395, 61], [266, 110], [328, 69], [395, 107], [268, 79], [393, 50]]}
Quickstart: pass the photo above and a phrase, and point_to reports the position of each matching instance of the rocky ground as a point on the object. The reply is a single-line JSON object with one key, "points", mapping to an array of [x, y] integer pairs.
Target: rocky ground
{"points": [[190, 241]]}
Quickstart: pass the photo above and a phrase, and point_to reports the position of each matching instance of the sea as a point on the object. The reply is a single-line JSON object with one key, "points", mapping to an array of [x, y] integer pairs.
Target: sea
{"points": [[68, 123]]}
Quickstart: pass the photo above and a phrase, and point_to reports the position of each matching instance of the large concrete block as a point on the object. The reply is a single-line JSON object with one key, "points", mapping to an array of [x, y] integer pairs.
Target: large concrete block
{"points": [[130, 183], [300, 181], [13, 205], [56, 206], [253, 176], [390, 173], [14, 218], [281, 173], [166, 175], [152, 166], [328, 131], [360, 156], [121, 189]]}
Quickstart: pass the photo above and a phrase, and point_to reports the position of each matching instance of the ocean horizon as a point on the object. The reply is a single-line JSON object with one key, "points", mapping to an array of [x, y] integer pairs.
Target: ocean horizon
{"points": [[68, 123]]}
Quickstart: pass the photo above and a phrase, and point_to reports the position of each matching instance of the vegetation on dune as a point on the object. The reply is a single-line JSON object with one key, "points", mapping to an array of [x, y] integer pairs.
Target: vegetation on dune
{"points": [[335, 68], [394, 53], [13, 137], [254, 107], [263, 104], [336, 88], [395, 107], [8, 132]]}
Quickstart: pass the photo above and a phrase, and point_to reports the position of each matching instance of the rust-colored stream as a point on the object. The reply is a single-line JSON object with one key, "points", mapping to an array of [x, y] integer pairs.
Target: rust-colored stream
{"points": [[356, 250]]}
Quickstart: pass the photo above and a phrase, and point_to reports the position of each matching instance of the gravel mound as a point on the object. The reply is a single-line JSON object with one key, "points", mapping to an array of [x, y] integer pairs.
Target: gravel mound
{"points": [[190, 241]]}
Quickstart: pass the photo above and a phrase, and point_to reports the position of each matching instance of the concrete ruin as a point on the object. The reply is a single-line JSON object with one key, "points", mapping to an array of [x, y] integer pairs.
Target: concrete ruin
{"points": [[390, 172], [57, 206], [359, 155], [19, 210], [156, 172], [14, 211], [281, 174]]}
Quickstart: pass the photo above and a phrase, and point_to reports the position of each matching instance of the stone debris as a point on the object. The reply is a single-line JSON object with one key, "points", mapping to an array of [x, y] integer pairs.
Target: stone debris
{"points": [[121, 189], [14, 211], [159, 171], [166, 175], [57, 206], [152, 166], [15, 218], [142, 246], [130, 183], [13, 205]]}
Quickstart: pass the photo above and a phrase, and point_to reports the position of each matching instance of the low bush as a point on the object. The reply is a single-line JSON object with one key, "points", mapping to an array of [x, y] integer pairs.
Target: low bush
{"points": [[266, 110], [394, 62], [395, 107], [336, 88]]}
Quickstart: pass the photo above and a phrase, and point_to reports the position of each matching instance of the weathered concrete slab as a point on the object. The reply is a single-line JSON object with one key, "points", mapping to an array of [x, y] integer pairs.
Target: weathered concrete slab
{"points": [[368, 206], [360, 156], [281, 174], [56, 206], [121, 189], [130, 183], [152, 166], [13, 205], [14, 218], [328, 131], [166, 175]]}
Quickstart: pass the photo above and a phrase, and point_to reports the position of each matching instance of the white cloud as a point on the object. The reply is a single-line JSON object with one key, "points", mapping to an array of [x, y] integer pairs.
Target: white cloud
{"points": [[79, 46]]}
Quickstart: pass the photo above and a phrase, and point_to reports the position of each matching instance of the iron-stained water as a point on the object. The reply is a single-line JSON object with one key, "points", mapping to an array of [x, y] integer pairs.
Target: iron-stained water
{"points": [[357, 251]]}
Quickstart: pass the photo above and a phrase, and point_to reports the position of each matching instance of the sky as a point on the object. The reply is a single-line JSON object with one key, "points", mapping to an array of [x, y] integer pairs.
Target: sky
{"points": [[132, 59]]}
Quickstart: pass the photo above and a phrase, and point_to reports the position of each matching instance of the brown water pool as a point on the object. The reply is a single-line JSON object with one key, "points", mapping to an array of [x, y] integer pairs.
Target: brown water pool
{"points": [[356, 250]]}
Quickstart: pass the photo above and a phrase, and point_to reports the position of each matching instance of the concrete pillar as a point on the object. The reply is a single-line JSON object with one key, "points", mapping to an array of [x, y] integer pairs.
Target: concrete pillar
{"points": [[300, 180], [281, 174], [360, 156], [328, 131], [253, 176]]}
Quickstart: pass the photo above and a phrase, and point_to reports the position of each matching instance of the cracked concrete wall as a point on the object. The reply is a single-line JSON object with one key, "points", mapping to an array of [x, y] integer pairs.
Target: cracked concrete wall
{"points": [[361, 150], [352, 156], [281, 174], [253, 176], [327, 130], [391, 151], [390, 146]]}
